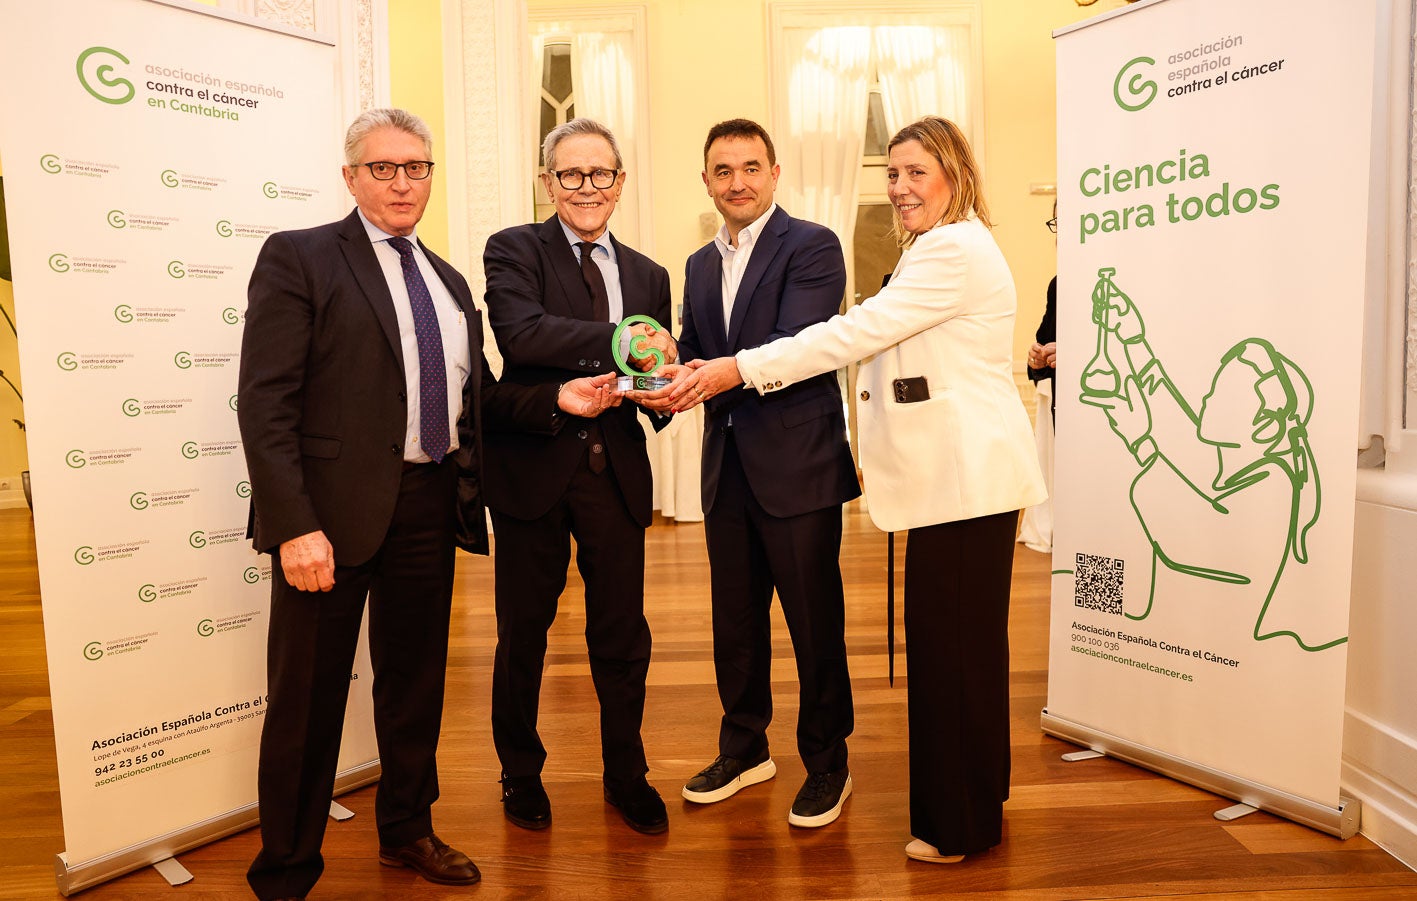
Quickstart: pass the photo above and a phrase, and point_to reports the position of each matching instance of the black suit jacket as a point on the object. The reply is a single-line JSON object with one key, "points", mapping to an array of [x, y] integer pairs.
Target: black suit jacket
{"points": [[540, 311], [322, 401], [792, 442]]}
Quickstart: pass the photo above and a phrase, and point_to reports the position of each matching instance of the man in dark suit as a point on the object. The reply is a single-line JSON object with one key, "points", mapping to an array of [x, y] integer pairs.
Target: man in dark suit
{"points": [[776, 470], [555, 291], [361, 398]]}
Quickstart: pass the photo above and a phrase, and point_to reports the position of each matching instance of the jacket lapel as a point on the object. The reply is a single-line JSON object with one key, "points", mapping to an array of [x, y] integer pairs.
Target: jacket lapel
{"points": [[765, 248], [566, 270], [369, 276], [706, 295]]}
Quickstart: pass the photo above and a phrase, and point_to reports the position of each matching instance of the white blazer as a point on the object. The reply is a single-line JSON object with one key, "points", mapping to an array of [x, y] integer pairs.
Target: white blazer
{"points": [[947, 315]]}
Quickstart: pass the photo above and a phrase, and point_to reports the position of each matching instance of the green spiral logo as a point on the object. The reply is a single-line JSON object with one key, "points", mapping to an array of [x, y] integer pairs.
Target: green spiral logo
{"points": [[204, 628], [76, 459], [83, 555], [93, 650], [117, 219], [223, 228], [67, 361], [638, 348], [50, 163], [138, 500], [251, 576], [231, 316], [147, 594], [189, 450], [59, 262], [169, 178], [197, 539], [270, 190], [123, 313], [243, 488], [175, 269], [102, 73], [182, 359], [1137, 86], [131, 407], [232, 403]]}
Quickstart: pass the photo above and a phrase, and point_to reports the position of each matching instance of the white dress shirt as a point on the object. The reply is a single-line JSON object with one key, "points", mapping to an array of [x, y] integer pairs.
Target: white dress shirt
{"points": [[603, 255], [735, 259], [457, 355]]}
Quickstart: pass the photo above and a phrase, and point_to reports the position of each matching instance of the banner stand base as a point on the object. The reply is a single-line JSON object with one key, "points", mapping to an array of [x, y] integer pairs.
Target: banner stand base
{"points": [[1234, 812], [175, 874], [1340, 821], [76, 878]]}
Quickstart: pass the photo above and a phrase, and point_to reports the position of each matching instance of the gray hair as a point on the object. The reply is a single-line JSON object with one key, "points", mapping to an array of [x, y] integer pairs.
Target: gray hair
{"points": [[577, 126], [372, 120]]}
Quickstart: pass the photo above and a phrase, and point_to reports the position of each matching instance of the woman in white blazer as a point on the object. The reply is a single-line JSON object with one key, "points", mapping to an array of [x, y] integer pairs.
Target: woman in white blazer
{"points": [[947, 453]]}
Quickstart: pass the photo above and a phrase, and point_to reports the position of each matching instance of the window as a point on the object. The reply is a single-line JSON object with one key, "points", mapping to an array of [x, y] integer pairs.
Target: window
{"points": [[558, 106]]}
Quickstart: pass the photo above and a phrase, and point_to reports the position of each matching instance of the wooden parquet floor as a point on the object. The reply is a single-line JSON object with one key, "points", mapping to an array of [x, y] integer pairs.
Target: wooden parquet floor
{"points": [[1094, 829]]}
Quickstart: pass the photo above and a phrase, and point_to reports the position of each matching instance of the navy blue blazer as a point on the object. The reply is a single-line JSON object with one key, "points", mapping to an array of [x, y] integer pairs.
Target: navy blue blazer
{"points": [[792, 442]]}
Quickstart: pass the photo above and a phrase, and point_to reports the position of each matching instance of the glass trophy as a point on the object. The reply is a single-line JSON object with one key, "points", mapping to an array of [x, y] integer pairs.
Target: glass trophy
{"points": [[633, 379]]}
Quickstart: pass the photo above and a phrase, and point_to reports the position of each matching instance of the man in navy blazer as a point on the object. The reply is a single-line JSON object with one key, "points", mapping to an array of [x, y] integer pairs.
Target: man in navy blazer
{"points": [[555, 293], [363, 396], [776, 470]]}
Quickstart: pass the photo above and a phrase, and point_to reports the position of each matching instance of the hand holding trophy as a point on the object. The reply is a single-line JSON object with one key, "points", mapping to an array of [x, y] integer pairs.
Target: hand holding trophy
{"points": [[650, 346]]}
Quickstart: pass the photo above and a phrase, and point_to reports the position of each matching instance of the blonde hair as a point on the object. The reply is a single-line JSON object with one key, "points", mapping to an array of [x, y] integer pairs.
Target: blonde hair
{"points": [[946, 143]]}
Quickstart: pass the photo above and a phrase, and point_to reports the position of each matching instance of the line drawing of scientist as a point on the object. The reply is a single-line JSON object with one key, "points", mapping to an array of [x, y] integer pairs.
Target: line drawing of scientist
{"points": [[1239, 516]]}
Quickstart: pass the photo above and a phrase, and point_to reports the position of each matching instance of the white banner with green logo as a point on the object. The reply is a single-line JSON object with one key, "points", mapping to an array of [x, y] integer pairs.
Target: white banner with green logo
{"points": [[149, 150], [1213, 163]]}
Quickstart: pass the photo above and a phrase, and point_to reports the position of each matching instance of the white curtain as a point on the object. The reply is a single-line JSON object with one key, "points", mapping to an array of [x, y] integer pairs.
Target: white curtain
{"points": [[820, 125], [923, 71], [604, 78]]}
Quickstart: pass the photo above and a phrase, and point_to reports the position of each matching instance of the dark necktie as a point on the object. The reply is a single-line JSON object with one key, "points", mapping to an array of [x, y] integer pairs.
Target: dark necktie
{"points": [[595, 281], [432, 375]]}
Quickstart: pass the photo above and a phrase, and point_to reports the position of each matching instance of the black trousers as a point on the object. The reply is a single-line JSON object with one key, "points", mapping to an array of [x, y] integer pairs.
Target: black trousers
{"points": [[957, 580], [310, 654], [750, 554], [530, 560]]}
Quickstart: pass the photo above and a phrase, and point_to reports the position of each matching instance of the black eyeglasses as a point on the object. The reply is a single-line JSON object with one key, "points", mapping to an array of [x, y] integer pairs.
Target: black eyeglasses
{"points": [[1052, 225], [572, 179], [384, 170]]}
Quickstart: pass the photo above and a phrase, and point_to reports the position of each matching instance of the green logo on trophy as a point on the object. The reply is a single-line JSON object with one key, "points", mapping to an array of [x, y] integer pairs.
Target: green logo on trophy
{"points": [[639, 350]]}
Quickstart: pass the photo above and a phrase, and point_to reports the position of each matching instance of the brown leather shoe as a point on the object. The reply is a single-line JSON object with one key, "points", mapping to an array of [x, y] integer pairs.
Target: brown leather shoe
{"points": [[432, 859]]}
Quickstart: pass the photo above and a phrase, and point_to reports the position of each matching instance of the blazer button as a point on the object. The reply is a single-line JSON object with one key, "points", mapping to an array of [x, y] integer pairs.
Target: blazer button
{"points": [[865, 395], [397, 448], [595, 363], [403, 396], [581, 363], [581, 434]]}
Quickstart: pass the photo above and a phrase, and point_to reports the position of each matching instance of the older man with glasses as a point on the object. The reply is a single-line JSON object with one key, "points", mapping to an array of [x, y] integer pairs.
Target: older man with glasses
{"points": [[555, 293]]}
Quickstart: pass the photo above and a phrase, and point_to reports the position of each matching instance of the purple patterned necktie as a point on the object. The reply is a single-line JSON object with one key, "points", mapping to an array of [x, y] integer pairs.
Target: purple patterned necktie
{"points": [[432, 375]]}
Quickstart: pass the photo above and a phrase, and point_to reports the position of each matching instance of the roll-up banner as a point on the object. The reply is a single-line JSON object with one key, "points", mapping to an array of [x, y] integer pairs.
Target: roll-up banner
{"points": [[1213, 171], [149, 149]]}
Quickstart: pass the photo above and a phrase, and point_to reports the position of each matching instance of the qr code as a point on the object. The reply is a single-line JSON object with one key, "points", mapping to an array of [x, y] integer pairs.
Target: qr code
{"points": [[1097, 583]]}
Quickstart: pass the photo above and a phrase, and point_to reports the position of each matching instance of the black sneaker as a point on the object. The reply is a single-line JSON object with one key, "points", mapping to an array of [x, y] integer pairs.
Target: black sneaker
{"points": [[639, 804], [820, 798], [723, 778], [524, 802]]}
